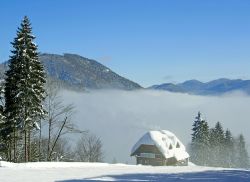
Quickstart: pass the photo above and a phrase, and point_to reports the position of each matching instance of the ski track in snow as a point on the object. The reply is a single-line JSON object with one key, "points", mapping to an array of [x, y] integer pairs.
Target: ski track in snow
{"points": [[91, 172]]}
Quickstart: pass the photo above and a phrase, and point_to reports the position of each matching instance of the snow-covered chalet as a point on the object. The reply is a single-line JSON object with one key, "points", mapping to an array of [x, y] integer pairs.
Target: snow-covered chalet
{"points": [[160, 148]]}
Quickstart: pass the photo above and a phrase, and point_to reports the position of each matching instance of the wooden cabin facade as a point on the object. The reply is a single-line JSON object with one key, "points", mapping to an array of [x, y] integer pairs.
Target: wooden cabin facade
{"points": [[150, 155]]}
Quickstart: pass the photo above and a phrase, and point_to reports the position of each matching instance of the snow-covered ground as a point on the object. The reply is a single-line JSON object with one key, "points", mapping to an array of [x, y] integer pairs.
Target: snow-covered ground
{"points": [[79, 172]]}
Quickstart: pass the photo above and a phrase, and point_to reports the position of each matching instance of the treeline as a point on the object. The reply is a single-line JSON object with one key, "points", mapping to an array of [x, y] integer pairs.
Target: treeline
{"points": [[216, 147], [33, 118]]}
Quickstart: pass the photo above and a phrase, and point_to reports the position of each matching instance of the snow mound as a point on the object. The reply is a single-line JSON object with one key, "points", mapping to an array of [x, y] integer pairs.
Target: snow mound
{"points": [[168, 144]]}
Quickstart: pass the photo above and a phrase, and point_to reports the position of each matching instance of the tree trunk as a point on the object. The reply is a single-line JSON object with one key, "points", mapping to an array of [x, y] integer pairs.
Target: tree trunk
{"points": [[59, 134], [9, 152], [39, 142], [29, 144], [25, 146], [14, 145], [49, 138]]}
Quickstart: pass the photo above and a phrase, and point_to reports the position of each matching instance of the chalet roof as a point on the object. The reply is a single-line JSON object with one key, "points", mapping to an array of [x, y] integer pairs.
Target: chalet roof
{"points": [[167, 143]]}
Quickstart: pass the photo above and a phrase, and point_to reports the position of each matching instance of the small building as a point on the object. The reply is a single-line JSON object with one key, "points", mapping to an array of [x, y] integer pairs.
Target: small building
{"points": [[160, 148]]}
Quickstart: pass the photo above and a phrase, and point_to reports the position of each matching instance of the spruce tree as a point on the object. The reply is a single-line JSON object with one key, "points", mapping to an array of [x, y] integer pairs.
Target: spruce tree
{"points": [[196, 125], [24, 88], [200, 141], [194, 146], [217, 141], [203, 144], [242, 154], [229, 151]]}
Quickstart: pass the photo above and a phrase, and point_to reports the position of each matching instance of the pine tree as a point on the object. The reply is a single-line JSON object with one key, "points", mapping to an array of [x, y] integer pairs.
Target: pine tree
{"points": [[204, 143], [200, 141], [217, 141], [242, 154], [24, 88], [229, 151], [196, 125], [194, 147]]}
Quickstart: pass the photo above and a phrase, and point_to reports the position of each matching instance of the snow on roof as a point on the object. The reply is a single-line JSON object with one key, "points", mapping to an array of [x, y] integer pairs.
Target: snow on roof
{"points": [[168, 144]]}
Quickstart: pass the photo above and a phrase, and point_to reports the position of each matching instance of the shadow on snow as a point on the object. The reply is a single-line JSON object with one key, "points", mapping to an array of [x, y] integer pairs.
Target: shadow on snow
{"points": [[206, 176]]}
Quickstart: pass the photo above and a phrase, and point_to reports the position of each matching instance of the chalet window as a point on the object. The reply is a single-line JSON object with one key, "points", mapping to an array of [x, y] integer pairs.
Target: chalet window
{"points": [[170, 147], [147, 155], [177, 145]]}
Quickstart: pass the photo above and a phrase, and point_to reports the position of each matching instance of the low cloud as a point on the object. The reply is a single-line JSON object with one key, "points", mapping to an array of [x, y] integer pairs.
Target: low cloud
{"points": [[120, 118]]}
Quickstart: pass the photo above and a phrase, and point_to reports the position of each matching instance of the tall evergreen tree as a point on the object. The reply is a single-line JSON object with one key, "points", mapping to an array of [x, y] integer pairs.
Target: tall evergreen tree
{"points": [[203, 141], [215, 147], [242, 154], [200, 141], [24, 88], [217, 141], [196, 126], [229, 150]]}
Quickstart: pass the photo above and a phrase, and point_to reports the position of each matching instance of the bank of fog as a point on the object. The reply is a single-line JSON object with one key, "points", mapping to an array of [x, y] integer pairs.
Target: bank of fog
{"points": [[120, 118]]}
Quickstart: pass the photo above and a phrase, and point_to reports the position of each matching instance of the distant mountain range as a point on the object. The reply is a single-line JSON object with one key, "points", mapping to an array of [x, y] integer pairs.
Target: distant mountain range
{"points": [[215, 87], [76, 72]]}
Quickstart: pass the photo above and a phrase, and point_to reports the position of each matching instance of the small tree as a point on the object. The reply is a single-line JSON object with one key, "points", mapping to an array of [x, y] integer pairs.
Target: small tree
{"points": [[58, 120], [89, 149], [62, 151]]}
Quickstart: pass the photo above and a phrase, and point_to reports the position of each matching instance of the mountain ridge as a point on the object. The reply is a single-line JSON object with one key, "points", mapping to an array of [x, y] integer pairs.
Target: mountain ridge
{"points": [[76, 72], [214, 87]]}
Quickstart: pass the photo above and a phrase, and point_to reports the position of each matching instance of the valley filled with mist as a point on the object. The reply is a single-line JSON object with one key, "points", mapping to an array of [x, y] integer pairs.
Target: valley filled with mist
{"points": [[119, 118]]}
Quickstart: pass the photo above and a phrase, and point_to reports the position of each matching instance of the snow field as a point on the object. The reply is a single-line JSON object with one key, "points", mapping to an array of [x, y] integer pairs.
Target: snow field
{"points": [[79, 172]]}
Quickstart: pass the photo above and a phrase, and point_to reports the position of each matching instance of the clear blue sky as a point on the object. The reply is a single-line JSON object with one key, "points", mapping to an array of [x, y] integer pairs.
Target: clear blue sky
{"points": [[148, 41]]}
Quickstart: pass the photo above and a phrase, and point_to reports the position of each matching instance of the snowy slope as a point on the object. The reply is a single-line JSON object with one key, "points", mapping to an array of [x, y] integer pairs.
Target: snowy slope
{"points": [[79, 172]]}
